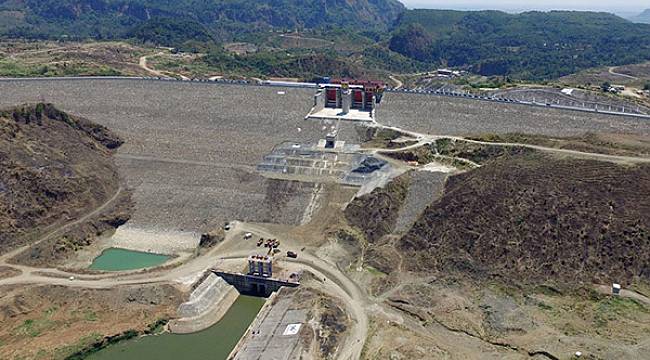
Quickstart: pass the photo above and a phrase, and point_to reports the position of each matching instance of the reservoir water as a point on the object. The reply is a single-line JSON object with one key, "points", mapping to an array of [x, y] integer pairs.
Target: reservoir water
{"points": [[116, 259], [214, 343]]}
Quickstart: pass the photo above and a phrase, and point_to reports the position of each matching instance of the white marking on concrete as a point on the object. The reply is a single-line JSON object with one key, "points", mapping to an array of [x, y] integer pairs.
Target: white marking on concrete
{"points": [[291, 329]]}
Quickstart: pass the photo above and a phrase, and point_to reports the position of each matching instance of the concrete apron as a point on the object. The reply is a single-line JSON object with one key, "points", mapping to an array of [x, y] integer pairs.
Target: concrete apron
{"points": [[215, 312]]}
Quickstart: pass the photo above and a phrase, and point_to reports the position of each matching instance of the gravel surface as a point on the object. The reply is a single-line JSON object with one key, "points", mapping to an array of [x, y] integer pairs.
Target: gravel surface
{"points": [[424, 189], [456, 116], [191, 149]]}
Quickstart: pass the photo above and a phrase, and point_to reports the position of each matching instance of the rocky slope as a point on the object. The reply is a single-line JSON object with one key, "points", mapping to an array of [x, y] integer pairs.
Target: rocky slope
{"points": [[535, 217], [53, 168]]}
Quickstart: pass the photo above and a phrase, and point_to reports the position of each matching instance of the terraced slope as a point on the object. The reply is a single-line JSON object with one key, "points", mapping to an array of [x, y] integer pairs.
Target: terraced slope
{"points": [[535, 217]]}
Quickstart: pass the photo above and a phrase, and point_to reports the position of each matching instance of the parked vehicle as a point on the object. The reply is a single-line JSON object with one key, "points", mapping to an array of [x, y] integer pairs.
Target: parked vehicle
{"points": [[292, 254]]}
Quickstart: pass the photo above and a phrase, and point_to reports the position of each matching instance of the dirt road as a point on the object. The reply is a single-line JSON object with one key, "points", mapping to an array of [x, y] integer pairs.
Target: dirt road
{"points": [[229, 251], [424, 139], [607, 290], [612, 70], [58, 230], [398, 83], [143, 64]]}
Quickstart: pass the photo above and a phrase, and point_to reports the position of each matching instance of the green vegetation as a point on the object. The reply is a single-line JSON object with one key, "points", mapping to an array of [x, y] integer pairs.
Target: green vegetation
{"points": [[84, 342], [337, 38], [34, 327], [605, 86], [295, 64], [374, 271], [179, 33], [10, 68], [105, 19], [532, 45], [613, 307]]}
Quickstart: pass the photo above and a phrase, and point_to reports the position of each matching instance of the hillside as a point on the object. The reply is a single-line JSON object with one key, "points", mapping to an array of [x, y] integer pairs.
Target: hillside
{"points": [[102, 19], [531, 45], [538, 218], [644, 17], [53, 168]]}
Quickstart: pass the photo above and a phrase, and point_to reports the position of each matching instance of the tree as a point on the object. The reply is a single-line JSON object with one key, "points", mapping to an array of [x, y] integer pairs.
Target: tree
{"points": [[605, 86], [412, 41]]}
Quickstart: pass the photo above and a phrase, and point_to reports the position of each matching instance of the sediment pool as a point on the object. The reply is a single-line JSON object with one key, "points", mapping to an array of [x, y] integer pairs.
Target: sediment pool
{"points": [[116, 259], [214, 343]]}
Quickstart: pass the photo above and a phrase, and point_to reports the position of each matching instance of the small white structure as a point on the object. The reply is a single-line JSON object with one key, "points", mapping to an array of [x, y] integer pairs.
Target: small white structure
{"points": [[616, 289], [567, 91], [291, 329], [578, 354]]}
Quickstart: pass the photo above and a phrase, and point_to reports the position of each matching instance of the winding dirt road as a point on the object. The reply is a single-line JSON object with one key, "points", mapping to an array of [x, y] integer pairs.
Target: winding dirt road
{"points": [[143, 64], [612, 70], [59, 230]]}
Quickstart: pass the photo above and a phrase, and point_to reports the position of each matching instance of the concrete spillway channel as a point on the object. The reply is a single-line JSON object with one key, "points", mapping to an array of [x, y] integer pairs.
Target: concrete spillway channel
{"points": [[206, 306]]}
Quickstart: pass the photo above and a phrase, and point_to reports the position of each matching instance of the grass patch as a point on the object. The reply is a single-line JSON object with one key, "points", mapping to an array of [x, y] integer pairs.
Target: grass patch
{"points": [[615, 307], [374, 271], [35, 327], [10, 68], [157, 327], [86, 341], [90, 315]]}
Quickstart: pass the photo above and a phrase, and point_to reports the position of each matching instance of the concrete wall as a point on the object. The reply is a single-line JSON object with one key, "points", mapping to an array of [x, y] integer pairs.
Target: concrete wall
{"points": [[254, 285], [207, 305], [319, 101]]}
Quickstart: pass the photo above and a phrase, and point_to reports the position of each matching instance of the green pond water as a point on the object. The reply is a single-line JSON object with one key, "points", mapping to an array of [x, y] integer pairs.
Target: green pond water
{"points": [[214, 343], [116, 259]]}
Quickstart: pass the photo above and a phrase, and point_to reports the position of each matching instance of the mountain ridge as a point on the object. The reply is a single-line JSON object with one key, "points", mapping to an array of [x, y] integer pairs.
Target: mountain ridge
{"points": [[224, 18]]}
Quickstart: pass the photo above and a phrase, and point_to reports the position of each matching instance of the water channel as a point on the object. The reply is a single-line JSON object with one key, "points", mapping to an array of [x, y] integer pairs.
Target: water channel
{"points": [[116, 259], [214, 343]]}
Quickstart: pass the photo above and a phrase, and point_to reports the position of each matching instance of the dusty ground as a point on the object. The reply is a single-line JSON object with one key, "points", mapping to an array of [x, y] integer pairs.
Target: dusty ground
{"points": [[456, 319], [602, 143], [50, 322], [6, 272], [633, 75], [71, 59]]}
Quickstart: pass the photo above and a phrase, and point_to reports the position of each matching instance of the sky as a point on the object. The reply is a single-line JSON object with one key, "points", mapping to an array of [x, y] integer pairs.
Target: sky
{"points": [[617, 6]]}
